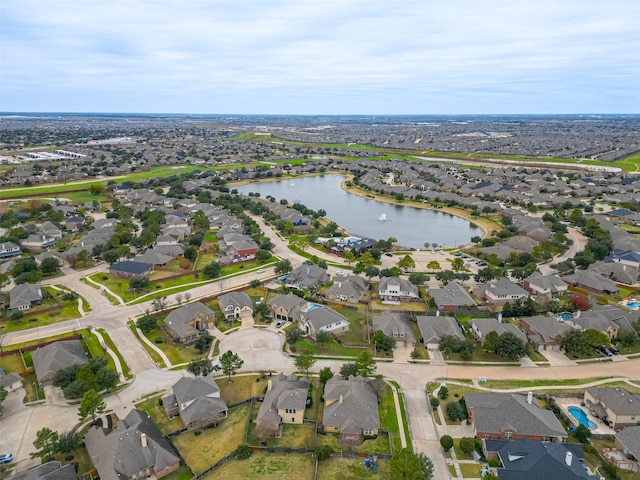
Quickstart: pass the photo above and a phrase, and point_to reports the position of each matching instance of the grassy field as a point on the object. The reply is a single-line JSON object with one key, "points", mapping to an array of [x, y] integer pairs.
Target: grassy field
{"points": [[294, 436], [36, 318], [242, 388], [212, 444], [267, 466], [159, 416], [350, 469], [178, 353]]}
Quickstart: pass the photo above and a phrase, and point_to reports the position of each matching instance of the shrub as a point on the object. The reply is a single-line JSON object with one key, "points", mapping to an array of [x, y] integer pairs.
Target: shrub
{"points": [[243, 452], [324, 452], [443, 393], [467, 445], [446, 442], [435, 403]]}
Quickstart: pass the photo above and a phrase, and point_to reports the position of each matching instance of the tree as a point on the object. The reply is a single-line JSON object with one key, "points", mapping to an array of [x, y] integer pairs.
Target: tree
{"points": [[106, 379], [433, 265], [348, 370], [230, 363], [139, 283], [45, 444], [596, 337], [455, 412], [349, 257], [365, 364], [84, 257], [200, 368], [406, 263], [203, 343], [325, 374], [92, 403], [323, 453], [147, 323], [405, 465], [491, 341], [159, 304], [457, 265], [443, 393], [427, 466], [68, 441], [3, 394], [418, 278], [446, 442], [467, 445], [435, 403], [510, 346], [445, 276], [367, 259], [582, 433], [323, 336], [212, 270], [190, 253], [371, 271], [305, 361], [262, 312], [575, 342], [50, 265], [293, 336], [282, 267]]}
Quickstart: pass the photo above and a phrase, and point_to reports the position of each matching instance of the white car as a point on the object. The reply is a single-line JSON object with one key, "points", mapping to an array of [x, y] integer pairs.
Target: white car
{"points": [[260, 271], [280, 323], [339, 273]]}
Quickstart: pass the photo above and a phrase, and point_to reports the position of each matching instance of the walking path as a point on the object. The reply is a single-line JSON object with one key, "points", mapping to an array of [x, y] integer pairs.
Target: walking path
{"points": [[396, 401], [111, 353], [102, 288]]}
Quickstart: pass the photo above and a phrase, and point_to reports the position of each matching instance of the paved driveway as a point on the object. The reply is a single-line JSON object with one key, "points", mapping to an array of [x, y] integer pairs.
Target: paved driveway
{"points": [[557, 359]]}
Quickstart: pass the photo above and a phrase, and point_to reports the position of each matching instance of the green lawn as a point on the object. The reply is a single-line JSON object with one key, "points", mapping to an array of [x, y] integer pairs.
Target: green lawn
{"points": [[152, 353], [509, 384], [294, 436], [125, 369], [242, 388], [80, 458], [35, 318], [389, 419], [470, 470], [453, 390], [331, 348], [32, 389], [350, 469], [159, 416], [267, 466], [178, 353], [211, 444], [380, 444]]}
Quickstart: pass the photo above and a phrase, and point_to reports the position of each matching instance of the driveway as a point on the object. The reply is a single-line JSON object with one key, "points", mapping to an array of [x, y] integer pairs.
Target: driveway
{"points": [[557, 359]]}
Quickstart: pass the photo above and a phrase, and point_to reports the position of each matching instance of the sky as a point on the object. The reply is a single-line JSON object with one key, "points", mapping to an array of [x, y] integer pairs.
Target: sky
{"points": [[329, 57]]}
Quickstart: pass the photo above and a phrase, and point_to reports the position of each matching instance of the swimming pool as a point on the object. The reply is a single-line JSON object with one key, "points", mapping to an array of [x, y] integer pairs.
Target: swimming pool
{"points": [[633, 305], [565, 316], [581, 417]]}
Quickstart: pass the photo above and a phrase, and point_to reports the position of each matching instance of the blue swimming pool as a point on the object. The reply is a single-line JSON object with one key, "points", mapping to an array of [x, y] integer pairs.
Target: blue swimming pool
{"points": [[565, 316], [581, 417], [633, 305]]}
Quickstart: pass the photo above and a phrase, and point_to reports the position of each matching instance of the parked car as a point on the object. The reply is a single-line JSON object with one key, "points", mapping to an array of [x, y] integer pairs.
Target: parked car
{"points": [[260, 271], [339, 273], [604, 350], [614, 350], [6, 458], [389, 254], [280, 323]]}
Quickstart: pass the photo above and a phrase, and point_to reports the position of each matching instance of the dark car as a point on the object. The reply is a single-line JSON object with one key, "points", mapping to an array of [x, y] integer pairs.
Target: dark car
{"points": [[605, 351], [389, 254], [614, 350]]}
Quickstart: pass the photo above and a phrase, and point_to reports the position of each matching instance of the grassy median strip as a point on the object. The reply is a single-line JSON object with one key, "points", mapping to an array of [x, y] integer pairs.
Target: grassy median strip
{"points": [[152, 353], [112, 346]]}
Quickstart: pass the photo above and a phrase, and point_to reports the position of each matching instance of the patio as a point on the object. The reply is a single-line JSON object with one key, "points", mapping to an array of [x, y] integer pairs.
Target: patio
{"points": [[565, 403]]}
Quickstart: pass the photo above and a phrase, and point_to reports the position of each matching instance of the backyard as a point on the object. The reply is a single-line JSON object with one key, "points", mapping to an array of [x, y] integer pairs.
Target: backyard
{"points": [[202, 448], [267, 466], [350, 469], [242, 388], [153, 407]]}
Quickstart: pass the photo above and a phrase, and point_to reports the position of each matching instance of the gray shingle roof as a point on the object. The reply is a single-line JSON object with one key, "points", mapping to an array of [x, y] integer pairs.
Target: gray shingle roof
{"points": [[630, 438], [394, 324], [497, 412], [56, 356], [235, 300], [547, 327], [617, 399], [286, 392], [120, 453], [451, 294], [351, 286], [433, 328], [358, 409], [320, 316], [178, 318], [52, 470], [24, 294]]}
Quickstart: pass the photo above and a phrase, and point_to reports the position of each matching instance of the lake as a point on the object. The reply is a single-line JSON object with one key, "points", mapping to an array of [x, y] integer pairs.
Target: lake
{"points": [[367, 217]]}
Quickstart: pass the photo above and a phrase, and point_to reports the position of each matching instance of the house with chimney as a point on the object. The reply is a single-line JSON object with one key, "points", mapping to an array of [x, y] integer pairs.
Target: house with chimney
{"points": [[315, 318], [545, 286], [284, 402], [395, 290], [287, 307], [188, 322], [350, 409], [134, 450], [615, 406], [236, 305], [510, 416], [197, 401]]}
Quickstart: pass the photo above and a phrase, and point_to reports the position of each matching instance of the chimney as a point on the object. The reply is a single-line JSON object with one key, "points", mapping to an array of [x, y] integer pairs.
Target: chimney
{"points": [[529, 397], [341, 398], [269, 384], [499, 317], [339, 284], [568, 458], [143, 439]]}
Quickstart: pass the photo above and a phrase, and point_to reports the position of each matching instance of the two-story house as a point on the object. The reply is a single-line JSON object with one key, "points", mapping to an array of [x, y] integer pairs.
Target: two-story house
{"points": [[236, 305], [284, 402], [395, 290]]}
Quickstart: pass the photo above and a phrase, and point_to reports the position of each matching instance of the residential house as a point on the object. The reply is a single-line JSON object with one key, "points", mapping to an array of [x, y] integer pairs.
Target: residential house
{"points": [[167, 240], [74, 223], [526, 459], [151, 257], [618, 272], [480, 328], [433, 328], [128, 269], [307, 277], [544, 333], [9, 249], [51, 229], [451, 297], [628, 443], [24, 296], [37, 242], [48, 360], [10, 381], [189, 321], [236, 305], [501, 291], [284, 402], [509, 416], [134, 450], [314, 318], [616, 406], [547, 286], [596, 320], [197, 401], [52, 470], [237, 248], [396, 290], [350, 409], [396, 325], [592, 281], [287, 307], [348, 289]]}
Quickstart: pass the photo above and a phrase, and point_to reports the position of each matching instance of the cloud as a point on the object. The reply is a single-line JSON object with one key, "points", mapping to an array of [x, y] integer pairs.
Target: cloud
{"points": [[345, 56]]}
